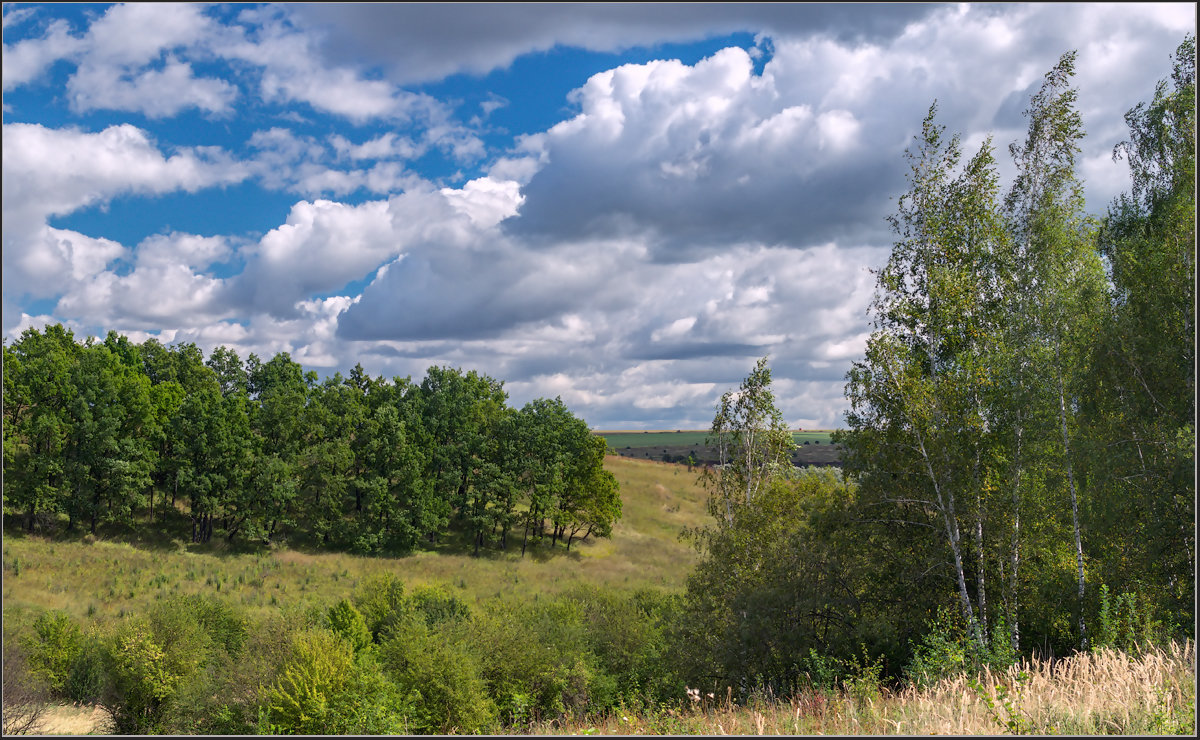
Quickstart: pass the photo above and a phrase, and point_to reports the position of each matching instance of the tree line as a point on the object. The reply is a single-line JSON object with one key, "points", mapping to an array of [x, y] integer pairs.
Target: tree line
{"points": [[116, 432]]}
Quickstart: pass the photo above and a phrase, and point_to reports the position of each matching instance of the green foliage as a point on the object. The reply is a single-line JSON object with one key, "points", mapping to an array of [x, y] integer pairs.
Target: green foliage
{"points": [[85, 676], [945, 651], [143, 680], [557, 677], [1140, 413], [348, 623], [440, 678], [1127, 623], [56, 643], [381, 601], [262, 451], [323, 688], [752, 443], [438, 606]]}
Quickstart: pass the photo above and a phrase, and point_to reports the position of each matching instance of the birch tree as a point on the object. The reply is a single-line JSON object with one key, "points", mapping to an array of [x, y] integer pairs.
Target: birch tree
{"points": [[920, 423], [752, 442], [1059, 281]]}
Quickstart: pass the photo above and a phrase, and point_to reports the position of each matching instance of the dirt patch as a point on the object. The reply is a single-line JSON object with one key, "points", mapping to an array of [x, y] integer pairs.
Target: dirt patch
{"points": [[66, 719]]}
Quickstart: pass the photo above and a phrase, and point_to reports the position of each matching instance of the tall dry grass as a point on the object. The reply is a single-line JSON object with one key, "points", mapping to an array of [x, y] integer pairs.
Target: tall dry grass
{"points": [[1102, 693]]}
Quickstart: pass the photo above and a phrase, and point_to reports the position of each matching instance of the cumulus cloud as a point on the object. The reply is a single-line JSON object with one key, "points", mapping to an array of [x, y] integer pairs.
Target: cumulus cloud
{"points": [[52, 172], [422, 42], [636, 258], [27, 60], [703, 156], [127, 60]]}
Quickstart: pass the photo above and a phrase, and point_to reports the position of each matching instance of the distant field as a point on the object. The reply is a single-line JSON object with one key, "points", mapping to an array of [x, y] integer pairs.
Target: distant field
{"points": [[686, 438]]}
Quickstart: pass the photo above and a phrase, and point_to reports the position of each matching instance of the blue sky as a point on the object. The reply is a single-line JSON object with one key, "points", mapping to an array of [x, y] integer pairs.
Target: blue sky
{"points": [[623, 204]]}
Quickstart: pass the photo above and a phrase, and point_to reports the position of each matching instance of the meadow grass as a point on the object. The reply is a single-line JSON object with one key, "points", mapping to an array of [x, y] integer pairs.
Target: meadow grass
{"points": [[114, 576], [1103, 693]]}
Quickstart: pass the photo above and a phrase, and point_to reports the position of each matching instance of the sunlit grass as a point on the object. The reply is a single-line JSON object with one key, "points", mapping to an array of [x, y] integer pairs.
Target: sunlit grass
{"points": [[1105, 693], [111, 578]]}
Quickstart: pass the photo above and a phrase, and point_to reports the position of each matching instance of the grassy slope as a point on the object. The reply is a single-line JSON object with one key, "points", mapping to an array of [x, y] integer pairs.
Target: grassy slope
{"points": [[117, 577]]}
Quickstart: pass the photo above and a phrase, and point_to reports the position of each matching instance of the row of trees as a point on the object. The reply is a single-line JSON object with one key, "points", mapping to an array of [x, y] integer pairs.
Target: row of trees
{"points": [[1021, 435], [1028, 388], [112, 431]]}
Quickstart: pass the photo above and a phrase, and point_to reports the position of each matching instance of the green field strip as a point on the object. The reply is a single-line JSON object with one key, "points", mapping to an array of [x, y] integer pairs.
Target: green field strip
{"points": [[621, 440]]}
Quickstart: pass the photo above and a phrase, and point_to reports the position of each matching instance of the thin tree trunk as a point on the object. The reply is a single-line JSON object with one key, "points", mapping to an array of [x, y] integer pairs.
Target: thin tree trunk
{"points": [[980, 576], [1013, 615], [950, 519], [1062, 417]]}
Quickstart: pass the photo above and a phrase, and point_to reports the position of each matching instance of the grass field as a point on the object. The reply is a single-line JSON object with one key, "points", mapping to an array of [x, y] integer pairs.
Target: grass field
{"points": [[686, 438], [102, 580], [113, 576]]}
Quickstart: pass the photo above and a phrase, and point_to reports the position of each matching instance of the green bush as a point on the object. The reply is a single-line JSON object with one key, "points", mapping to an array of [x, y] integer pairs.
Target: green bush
{"points": [[160, 671], [437, 605], [323, 688], [626, 632], [535, 659], [143, 679], [55, 643], [440, 678], [381, 601], [946, 650], [346, 621], [941, 654], [228, 697], [1127, 622], [85, 676]]}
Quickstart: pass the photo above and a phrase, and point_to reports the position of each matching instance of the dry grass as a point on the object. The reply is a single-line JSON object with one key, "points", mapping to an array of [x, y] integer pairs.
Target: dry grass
{"points": [[1088, 694], [109, 579], [65, 719]]}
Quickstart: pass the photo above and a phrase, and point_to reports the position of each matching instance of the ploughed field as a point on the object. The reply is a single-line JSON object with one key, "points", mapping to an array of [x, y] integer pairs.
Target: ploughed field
{"points": [[812, 448]]}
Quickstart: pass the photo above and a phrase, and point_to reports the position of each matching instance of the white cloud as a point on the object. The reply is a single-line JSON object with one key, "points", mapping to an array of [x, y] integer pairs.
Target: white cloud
{"points": [[52, 172], [157, 93], [25, 61], [634, 259], [486, 201]]}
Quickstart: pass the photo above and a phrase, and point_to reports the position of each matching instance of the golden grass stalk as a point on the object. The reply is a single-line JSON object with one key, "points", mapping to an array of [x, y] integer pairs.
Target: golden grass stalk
{"points": [[1104, 692]]}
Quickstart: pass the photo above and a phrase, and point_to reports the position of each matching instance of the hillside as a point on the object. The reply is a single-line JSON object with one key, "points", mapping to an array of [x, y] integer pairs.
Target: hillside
{"points": [[112, 576]]}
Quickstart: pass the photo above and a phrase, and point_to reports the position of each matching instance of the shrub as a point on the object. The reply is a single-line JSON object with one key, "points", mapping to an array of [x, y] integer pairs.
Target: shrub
{"points": [[53, 646], [439, 677], [347, 622], [324, 689], [535, 659], [436, 605], [380, 600], [1126, 623], [143, 679], [85, 676]]}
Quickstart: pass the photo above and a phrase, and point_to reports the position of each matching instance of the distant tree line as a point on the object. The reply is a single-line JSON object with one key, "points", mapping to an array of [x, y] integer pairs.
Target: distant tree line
{"points": [[116, 432]]}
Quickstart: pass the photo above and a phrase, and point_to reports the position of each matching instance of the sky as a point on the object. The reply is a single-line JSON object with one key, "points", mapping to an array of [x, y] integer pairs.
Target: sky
{"points": [[624, 205]]}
